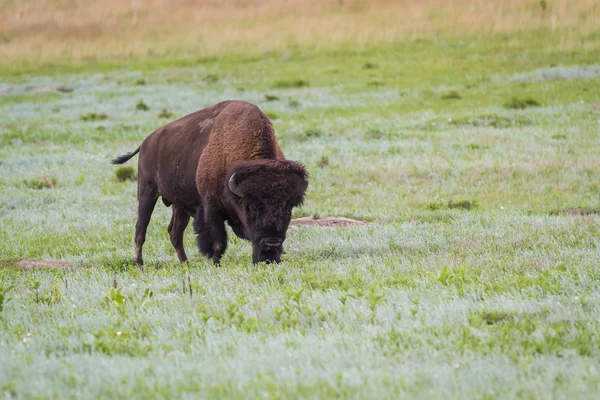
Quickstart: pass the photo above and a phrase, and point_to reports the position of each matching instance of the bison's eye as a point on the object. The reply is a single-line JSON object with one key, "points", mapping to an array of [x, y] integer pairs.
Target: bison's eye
{"points": [[252, 211]]}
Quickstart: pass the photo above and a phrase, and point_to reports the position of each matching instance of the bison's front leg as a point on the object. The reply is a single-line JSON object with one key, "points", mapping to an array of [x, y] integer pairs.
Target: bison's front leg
{"points": [[211, 234]]}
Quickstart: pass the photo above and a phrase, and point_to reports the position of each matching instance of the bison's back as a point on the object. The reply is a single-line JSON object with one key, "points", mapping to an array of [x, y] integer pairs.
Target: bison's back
{"points": [[169, 156], [240, 132]]}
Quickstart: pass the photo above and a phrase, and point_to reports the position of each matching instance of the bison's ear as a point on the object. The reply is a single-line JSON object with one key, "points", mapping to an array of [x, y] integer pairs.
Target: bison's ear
{"points": [[301, 186], [234, 186]]}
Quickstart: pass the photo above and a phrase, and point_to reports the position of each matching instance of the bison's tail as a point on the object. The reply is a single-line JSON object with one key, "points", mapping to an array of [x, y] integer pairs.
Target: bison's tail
{"points": [[125, 157]]}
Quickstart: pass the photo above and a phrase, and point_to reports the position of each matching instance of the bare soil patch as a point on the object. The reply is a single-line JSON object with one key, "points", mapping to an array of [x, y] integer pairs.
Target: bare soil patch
{"points": [[327, 221], [48, 89], [32, 263]]}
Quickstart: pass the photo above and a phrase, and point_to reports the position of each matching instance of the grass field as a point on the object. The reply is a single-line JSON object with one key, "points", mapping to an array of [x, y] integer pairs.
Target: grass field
{"points": [[472, 149]]}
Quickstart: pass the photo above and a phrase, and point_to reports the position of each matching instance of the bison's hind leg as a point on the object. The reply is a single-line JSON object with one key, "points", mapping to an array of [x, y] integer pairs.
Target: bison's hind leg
{"points": [[146, 201], [211, 236], [179, 221]]}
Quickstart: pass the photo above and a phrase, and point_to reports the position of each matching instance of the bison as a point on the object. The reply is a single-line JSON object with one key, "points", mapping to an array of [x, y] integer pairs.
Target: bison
{"points": [[219, 164]]}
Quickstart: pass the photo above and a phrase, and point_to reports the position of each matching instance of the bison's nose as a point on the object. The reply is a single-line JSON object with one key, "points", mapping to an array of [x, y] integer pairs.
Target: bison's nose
{"points": [[272, 241]]}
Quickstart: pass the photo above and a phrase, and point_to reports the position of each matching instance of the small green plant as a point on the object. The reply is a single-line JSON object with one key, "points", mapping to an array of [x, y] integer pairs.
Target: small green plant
{"points": [[313, 133], [271, 97], [40, 183], [80, 179], [211, 78], [140, 82], [370, 65], [3, 294], [35, 286], [125, 173], [294, 295], [323, 162], [293, 103], [374, 133], [486, 318], [92, 116], [141, 106], [115, 340], [374, 299], [451, 95], [376, 82], [461, 204], [434, 206], [295, 83], [164, 113], [52, 298], [522, 103], [467, 204], [493, 120]]}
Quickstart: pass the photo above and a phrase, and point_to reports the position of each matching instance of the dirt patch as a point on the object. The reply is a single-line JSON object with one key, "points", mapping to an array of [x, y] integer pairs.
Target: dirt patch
{"points": [[48, 89], [327, 221], [32, 263]]}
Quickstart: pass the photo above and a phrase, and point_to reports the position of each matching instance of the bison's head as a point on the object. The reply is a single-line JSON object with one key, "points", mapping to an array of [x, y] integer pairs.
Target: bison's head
{"points": [[263, 193]]}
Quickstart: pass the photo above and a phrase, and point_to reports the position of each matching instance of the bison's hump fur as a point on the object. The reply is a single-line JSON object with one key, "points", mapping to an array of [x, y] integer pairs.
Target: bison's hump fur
{"points": [[196, 163]]}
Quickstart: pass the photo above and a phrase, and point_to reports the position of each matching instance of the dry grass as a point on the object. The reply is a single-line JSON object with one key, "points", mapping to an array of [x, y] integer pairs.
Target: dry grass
{"points": [[77, 30]]}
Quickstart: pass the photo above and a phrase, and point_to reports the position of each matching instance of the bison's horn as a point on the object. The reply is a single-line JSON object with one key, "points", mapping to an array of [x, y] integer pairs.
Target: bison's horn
{"points": [[233, 186]]}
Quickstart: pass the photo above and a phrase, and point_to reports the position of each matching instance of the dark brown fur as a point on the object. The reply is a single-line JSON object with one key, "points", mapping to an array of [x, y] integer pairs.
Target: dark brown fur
{"points": [[189, 162]]}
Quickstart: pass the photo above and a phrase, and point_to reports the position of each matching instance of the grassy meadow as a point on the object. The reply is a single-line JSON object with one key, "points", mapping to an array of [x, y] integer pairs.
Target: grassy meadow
{"points": [[466, 133]]}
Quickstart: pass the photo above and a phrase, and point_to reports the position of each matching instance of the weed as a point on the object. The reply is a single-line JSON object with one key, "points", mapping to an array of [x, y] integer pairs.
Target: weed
{"points": [[323, 162], [211, 78], [474, 146], [451, 95], [141, 106], [289, 84], [466, 204], [4, 290], [41, 183], [140, 82], [460, 204], [125, 173], [313, 133], [374, 133], [522, 103], [375, 82], [370, 65], [271, 97], [166, 114], [92, 116], [374, 299], [576, 211], [112, 340], [483, 318]]}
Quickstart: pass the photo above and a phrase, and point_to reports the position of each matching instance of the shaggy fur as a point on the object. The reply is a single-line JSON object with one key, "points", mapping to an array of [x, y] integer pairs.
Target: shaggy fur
{"points": [[188, 162]]}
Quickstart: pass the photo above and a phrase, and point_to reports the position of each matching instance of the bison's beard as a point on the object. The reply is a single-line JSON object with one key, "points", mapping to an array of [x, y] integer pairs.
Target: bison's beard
{"points": [[269, 256]]}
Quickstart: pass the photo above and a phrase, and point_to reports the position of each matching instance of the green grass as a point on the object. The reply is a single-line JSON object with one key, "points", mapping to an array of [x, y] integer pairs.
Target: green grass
{"points": [[476, 277]]}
